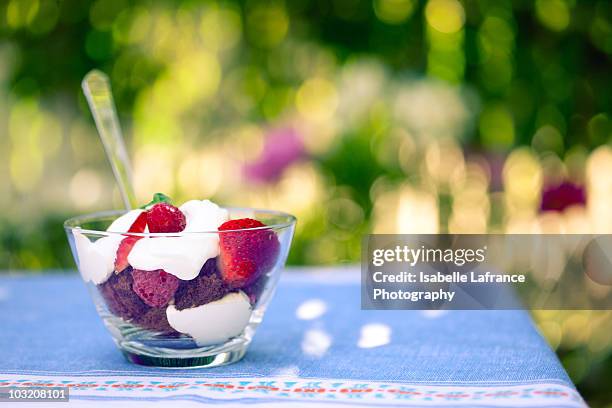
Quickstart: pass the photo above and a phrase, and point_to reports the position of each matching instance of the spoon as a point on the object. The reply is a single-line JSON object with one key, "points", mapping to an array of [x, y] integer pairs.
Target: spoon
{"points": [[97, 90]]}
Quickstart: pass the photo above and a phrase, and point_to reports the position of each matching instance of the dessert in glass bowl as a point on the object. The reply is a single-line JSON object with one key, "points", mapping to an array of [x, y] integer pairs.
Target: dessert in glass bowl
{"points": [[181, 286]]}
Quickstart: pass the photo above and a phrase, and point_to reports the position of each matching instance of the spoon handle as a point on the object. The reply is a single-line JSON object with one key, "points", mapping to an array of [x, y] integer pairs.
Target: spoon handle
{"points": [[96, 87]]}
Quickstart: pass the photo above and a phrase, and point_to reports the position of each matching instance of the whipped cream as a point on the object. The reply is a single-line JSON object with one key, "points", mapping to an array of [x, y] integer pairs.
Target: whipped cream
{"points": [[96, 259], [214, 322], [183, 256], [203, 215]]}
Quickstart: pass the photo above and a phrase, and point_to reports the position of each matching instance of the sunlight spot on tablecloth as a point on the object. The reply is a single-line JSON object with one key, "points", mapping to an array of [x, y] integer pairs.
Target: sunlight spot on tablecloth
{"points": [[311, 309], [433, 314], [289, 371], [4, 294], [374, 335], [316, 342]]}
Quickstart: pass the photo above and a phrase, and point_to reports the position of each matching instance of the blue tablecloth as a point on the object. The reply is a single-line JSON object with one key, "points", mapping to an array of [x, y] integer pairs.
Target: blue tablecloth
{"points": [[315, 346]]}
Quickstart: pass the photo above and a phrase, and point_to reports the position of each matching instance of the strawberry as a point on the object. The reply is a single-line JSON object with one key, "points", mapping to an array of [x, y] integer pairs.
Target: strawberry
{"points": [[164, 217], [127, 243], [246, 255]]}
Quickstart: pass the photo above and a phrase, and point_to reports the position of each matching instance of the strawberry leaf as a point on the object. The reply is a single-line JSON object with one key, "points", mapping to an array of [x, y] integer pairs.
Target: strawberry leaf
{"points": [[157, 198]]}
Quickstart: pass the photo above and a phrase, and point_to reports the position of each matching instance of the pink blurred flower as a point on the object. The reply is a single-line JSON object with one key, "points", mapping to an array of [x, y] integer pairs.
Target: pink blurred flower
{"points": [[282, 147], [561, 196]]}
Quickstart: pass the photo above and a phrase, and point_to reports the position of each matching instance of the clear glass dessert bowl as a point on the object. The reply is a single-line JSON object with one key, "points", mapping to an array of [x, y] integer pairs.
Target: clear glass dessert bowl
{"points": [[182, 299]]}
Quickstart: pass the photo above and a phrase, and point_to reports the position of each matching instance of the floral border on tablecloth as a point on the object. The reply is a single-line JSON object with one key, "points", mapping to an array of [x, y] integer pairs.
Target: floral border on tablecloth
{"points": [[303, 390]]}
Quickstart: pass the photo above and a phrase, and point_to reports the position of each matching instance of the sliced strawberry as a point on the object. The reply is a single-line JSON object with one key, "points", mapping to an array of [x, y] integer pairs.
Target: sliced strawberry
{"points": [[246, 255], [121, 261], [140, 223]]}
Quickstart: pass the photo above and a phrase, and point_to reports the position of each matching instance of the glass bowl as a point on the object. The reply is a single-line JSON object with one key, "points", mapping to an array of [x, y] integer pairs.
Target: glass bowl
{"points": [[196, 316]]}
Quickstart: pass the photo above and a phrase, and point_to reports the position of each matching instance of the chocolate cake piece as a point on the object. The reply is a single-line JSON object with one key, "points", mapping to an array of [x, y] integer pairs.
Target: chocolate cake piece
{"points": [[155, 319], [207, 287], [120, 299]]}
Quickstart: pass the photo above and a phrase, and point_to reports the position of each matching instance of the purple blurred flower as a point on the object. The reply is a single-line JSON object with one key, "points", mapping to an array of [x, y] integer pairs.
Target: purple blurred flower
{"points": [[282, 147], [561, 196]]}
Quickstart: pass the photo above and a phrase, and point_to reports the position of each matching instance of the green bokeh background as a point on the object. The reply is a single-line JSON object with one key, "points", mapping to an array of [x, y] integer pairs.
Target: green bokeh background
{"points": [[443, 115]]}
